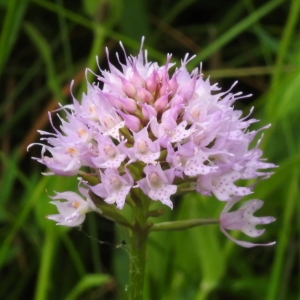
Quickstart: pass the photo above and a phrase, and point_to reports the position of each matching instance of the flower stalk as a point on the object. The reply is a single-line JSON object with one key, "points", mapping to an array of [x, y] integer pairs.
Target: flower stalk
{"points": [[182, 225], [138, 246]]}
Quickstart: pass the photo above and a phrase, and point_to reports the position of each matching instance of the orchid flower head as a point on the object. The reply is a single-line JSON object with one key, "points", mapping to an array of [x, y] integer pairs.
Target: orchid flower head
{"points": [[152, 127]]}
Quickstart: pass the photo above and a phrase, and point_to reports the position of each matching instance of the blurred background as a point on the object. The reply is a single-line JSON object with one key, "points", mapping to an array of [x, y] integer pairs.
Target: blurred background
{"points": [[44, 45]]}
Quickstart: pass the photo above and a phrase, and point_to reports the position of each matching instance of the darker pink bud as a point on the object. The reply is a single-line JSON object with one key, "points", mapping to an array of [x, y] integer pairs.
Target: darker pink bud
{"points": [[173, 85], [165, 88], [128, 88], [131, 121], [148, 111], [151, 82], [137, 78], [143, 95], [161, 103], [128, 104]]}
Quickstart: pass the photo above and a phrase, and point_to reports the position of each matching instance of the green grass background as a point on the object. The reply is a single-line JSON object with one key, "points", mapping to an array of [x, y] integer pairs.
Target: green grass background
{"points": [[44, 45]]}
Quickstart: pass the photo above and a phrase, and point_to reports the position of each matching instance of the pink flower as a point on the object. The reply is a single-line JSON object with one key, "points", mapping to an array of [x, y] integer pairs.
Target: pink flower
{"points": [[107, 155], [243, 220], [158, 184], [72, 211], [114, 187], [144, 149], [222, 185]]}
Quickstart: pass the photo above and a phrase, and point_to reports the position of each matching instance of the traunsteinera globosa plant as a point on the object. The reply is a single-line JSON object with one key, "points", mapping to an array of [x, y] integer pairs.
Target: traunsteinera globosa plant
{"points": [[140, 135]]}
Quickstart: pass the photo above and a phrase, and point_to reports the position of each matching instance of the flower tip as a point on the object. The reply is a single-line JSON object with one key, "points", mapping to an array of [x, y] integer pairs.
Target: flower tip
{"points": [[268, 244], [120, 207], [266, 220]]}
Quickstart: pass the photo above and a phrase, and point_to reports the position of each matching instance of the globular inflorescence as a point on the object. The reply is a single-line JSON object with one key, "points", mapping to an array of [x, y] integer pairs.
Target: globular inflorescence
{"points": [[144, 127]]}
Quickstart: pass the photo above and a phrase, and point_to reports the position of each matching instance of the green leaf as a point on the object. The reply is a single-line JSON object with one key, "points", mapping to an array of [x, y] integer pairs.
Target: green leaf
{"points": [[198, 249], [88, 282], [45, 51], [134, 19], [10, 29], [237, 29]]}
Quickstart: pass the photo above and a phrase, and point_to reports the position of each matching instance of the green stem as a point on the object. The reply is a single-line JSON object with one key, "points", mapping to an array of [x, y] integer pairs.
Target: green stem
{"points": [[181, 225], [138, 245], [137, 262], [44, 275]]}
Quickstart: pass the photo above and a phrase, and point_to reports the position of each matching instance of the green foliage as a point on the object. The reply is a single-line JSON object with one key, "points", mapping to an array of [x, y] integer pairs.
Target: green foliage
{"points": [[44, 45], [87, 282]]}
